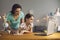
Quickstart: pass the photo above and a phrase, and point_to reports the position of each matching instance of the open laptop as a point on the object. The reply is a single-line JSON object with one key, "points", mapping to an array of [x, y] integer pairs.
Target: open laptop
{"points": [[50, 29]]}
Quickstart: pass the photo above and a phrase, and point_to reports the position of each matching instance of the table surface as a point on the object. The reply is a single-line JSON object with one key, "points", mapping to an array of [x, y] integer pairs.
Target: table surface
{"points": [[30, 36]]}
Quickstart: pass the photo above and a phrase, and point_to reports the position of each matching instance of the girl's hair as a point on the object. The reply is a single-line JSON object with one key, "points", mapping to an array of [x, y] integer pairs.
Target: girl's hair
{"points": [[28, 15], [14, 7]]}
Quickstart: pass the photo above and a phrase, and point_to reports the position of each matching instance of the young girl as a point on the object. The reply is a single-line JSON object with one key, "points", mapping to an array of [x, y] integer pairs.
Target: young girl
{"points": [[27, 27]]}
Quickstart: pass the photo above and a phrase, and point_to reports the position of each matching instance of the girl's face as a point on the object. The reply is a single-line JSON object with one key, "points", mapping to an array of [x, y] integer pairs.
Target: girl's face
{"points": [[17, 11], [30, 20]]}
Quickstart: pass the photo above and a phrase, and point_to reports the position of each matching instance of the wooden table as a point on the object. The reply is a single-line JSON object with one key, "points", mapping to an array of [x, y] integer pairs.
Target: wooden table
{"points": [[31, 36]]}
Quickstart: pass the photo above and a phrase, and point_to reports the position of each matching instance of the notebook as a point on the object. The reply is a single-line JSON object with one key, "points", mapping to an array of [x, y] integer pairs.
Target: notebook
{"points": [[50, 29]]}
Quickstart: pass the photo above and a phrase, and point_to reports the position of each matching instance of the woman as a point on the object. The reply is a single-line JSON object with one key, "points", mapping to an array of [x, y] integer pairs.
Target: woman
{"points": [[14, 18]]}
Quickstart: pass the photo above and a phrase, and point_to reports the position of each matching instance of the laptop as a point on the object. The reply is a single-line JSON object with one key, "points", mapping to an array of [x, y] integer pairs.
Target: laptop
{"points": [[50, 29]]}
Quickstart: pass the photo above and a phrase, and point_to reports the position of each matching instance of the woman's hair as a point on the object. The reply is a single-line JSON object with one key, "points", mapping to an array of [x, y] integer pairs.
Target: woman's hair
{"points": [[14, 7], [27, 16]]}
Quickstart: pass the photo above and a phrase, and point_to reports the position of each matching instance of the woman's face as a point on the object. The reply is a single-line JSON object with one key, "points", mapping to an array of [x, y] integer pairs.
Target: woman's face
{"points": [[17, 11], [30, 20]]}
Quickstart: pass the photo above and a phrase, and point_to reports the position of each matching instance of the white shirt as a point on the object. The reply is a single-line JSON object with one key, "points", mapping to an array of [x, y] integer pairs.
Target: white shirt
{"points": [[24, 26]]}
